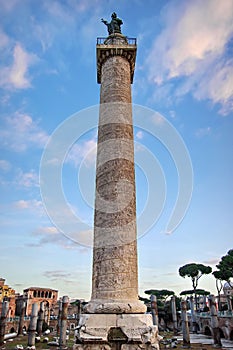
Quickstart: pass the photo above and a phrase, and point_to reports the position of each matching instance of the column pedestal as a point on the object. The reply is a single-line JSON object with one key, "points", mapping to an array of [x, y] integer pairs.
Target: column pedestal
{"points": [[116, 331]]}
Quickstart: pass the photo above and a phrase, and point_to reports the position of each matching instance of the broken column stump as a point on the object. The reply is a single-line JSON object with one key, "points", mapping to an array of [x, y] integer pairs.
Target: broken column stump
{"points": [[185, 327]]}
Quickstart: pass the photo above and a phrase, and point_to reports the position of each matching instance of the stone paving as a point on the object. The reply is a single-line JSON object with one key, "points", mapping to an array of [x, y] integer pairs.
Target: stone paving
{"points": [[203, 339]]}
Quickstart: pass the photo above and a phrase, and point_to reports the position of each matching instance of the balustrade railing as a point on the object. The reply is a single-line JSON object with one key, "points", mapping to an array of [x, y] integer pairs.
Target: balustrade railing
{"points": [[27, 318], [131, 41], [226, 313], [16, 319], [203, 314], [220, 314]]}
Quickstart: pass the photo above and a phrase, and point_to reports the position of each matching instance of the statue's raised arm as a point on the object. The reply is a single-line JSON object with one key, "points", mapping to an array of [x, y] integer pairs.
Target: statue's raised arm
{"points": [[115, 25], [104, 21]]}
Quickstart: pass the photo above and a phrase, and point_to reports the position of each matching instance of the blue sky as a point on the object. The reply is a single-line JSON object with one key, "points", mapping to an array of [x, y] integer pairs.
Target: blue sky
{"points": [[184, 70]]}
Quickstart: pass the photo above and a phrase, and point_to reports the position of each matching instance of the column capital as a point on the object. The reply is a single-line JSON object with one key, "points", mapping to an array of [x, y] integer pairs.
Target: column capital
{"points": [[115, 45]]}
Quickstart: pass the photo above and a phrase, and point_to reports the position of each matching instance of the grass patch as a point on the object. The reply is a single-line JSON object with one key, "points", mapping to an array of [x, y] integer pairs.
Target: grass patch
{"points": [[23, 340]]}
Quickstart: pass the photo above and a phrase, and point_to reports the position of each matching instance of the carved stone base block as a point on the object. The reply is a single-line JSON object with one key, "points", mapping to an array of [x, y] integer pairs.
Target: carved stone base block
{"points": [[116, 331], [101, 306], [114, 347]]}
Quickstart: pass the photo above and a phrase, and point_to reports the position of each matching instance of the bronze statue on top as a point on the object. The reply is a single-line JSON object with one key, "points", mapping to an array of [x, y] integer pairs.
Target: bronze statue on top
{"points": [[115, 25]]}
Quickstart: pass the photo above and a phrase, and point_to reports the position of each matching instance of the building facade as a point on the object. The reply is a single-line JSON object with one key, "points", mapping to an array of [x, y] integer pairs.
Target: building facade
{"points": [[37, 295], [7, 294]]}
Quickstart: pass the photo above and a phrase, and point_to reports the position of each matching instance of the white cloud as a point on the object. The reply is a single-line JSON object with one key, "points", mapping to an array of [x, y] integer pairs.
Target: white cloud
{"points": [[18, 72], [139, 134], [21, 180], [27, 179], [21, 132], [81, 17], [4, 165], [59, 10], [16, 75], [4, 39], [47, 230], [217, 86], [49, 29], [73, 17], [85, 151], [8, 6], [57, 275], [84, 237], [32, 205], [172, 114], [157, 118], [203, 132], [51, 235], [193, 46], [213, 261]]}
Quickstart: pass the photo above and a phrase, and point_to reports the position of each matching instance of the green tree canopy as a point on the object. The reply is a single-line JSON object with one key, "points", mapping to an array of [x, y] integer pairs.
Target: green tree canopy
{"points": [[163, 306], [225, 268], [75, 302], [161, 294], [197, 291], [221, 275], [145, 300], [194, 271]]}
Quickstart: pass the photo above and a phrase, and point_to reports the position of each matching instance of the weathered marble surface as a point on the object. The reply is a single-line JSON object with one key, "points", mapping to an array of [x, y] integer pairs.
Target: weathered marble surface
{"points": [[115, 270], [115, 318], [94, 329]]}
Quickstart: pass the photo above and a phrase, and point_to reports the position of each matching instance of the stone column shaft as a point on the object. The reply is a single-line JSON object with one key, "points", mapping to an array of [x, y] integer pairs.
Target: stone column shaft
{"points": [[185, 327], [214, 321], [193, 315], [229, 303], [21, 318], [62, 339], [5, 308], [32, 326], [40, 318], [59, 318], [174, 314], [115, 273], [154, 310]]}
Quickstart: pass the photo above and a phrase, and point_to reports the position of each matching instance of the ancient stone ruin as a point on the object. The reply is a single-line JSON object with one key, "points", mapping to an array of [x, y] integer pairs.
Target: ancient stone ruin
{"points": [[114, 317]]}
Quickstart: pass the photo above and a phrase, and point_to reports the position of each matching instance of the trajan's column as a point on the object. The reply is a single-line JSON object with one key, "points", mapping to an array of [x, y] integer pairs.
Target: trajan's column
{"points": [[114, 317]]}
